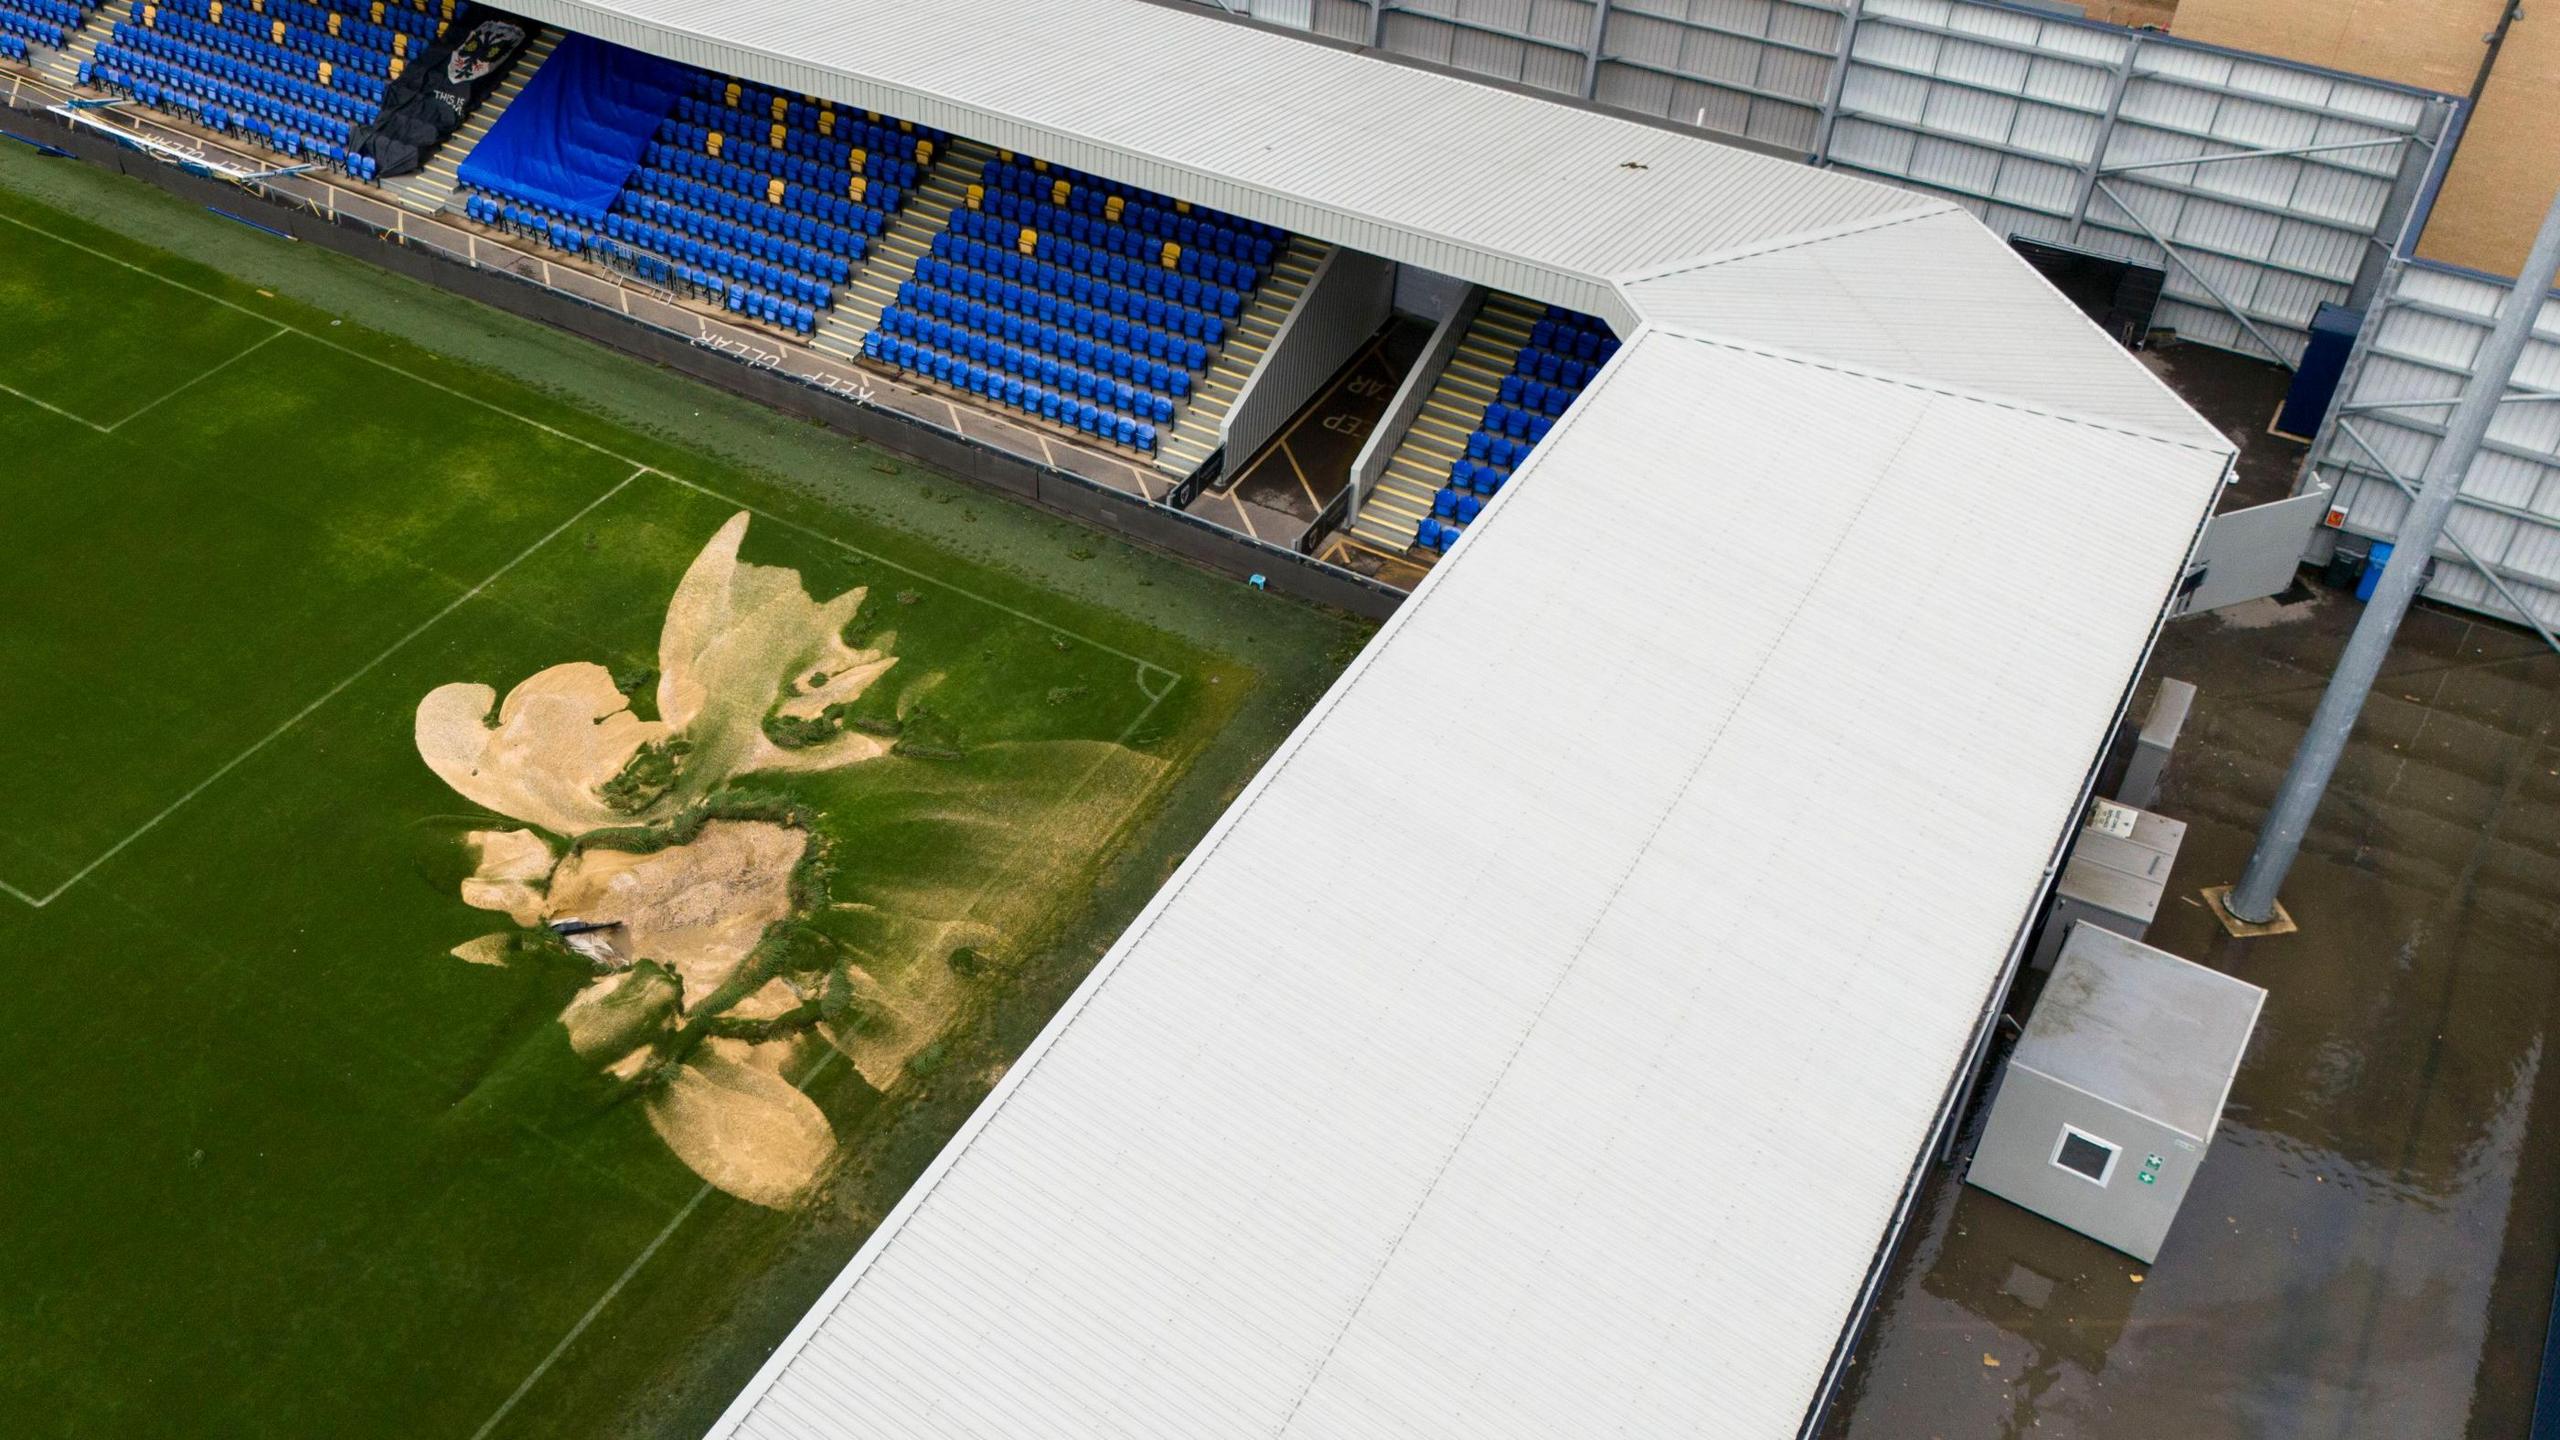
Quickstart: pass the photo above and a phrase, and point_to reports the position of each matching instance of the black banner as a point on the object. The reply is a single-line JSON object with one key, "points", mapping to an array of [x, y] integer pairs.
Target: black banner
{"points": [[440, 87]]}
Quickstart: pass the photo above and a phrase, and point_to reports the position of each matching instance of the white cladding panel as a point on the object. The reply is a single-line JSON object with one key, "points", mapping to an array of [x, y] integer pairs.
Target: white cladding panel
{"points": [[1592, 1127], [2418, 344]]}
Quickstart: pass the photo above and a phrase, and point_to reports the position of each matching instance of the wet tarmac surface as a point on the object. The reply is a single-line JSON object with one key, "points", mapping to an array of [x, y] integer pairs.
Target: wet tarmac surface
{"points": [[2368, 1250], [1300, 472]]}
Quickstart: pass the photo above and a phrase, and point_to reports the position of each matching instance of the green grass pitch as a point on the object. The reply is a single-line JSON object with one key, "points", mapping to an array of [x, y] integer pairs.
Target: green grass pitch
{"points": [[274, 1162]]}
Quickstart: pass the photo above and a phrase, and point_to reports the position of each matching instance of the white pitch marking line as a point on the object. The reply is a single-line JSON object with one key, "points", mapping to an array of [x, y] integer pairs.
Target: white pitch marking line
{"points": [[49, 405], [254, 346], [298, 716], [628, 1271]]}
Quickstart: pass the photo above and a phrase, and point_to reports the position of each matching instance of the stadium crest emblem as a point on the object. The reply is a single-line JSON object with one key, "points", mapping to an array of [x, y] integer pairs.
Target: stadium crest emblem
{"points": [[490, 45]]}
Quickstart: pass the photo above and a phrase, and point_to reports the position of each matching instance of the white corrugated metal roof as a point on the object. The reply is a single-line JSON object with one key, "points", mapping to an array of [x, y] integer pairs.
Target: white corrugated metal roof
{"points": [[1934, 295], [1505, 189], [1585, 1106]]}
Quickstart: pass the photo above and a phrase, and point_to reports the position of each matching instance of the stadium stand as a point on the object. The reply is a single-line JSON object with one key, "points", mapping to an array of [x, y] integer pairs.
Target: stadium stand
{"points": [[1070, 298], [296, 77], [1514, 374], [761, 202], [49, 23]]}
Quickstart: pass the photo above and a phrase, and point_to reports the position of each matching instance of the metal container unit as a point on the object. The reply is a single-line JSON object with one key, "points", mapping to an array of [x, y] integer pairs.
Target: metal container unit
{"points": [[2116, 877], [2111, 1099]]}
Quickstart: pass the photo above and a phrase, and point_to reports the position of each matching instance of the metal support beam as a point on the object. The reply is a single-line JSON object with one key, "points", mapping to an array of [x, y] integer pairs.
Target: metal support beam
{"points": [[2253, 900], [1591, 52], [2279, 152], [2496, 581], [2512, 397], [1377, 24], [2273, 350], [2117, 83], [1849, 19]]}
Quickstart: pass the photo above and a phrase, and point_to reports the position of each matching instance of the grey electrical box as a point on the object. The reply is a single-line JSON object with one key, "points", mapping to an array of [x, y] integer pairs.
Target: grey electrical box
{"points": [[2108, 1105], [2155, 743], [2116, 878]]}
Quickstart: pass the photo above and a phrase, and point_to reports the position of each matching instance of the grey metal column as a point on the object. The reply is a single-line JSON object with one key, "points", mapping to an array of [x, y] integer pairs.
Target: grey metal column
{"points": [[1591, 52], [2253, 900]]}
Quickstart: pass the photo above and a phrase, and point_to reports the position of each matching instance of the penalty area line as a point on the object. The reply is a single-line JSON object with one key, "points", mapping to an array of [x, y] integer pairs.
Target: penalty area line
{"points": [[332, 693], [150, 405]]}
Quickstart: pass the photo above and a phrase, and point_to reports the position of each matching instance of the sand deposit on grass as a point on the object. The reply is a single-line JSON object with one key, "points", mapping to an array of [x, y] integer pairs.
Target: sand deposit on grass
{"points": [[742, 641], [618, 1017], [486, 950], [559, 737], [513, 864], [742, 1127], [697, 908]]}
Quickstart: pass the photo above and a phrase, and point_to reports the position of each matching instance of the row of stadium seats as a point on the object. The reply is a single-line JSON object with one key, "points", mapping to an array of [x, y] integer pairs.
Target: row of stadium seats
{"points": [[1026, 307], [812, 128], [1223, 236], [1565, 350], [768, 231], [1114, 237], [276, 73], [877, 178], [299, 78], [1091, 303], [1046, 283], [343, 42], [746, 286], [13, 47], [220, 106], [1029, 397], [1147, 275], [41, 22]]}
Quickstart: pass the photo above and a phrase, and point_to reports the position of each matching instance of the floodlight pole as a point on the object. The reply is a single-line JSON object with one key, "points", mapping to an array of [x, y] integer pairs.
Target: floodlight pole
{"points": [[2253, 900]]}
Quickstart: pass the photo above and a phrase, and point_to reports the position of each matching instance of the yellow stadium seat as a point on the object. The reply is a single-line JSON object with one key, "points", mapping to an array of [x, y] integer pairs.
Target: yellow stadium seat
{"points": [[333, 22], [924, 152], [150, 17], [326, 70], [213, 12], [858, 188], [1111, 208], [909, 126], [1005, 155], [1059, 190], [1182, 207], [400, 45], [773, 190], [1171, 256], [977, 195], [711, 143], [731, 94], [859, 158], [826, 122], [778, 134], [1040, 165], [398, 65], [377, 12], [275, 33], [1029, 243], [781, 107]]}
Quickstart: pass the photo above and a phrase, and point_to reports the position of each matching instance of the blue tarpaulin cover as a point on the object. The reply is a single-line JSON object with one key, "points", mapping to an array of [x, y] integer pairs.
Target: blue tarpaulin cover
{"points": [[577, 128]]}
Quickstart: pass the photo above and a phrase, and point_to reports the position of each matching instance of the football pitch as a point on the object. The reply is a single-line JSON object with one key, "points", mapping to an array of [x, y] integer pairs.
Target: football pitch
{"points": [[334, 676]]}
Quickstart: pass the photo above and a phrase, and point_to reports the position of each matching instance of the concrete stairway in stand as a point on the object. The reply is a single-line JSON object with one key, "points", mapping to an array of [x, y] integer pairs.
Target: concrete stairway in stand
{"points": [[431, 188], [1193, 436], [1449, 414], [63, 66], [893, 257]]}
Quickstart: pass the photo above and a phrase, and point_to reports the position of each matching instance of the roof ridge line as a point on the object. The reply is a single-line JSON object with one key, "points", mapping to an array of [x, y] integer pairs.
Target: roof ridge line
{"points": [[1625, 279], [1936, 387]]}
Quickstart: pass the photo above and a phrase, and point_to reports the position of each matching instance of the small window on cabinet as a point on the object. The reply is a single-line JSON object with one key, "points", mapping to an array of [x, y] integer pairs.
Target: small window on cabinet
{"points": [[2085, 1155]]}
